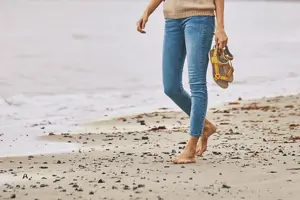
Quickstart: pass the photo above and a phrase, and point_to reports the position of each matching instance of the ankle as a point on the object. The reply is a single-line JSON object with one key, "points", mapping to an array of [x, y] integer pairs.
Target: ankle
{"points": [[192, 143], [210, 127]]}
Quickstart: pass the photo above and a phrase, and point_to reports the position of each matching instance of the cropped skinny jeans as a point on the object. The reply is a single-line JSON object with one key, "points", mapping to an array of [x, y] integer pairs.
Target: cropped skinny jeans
{"points": [[189, 38]]}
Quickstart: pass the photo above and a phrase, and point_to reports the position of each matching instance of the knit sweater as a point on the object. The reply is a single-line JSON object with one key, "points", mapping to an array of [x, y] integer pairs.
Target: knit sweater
{"points": [[176, 9]]}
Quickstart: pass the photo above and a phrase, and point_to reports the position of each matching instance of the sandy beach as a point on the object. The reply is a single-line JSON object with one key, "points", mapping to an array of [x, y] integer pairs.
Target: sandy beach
{"points": [[254, 154], [71, 64], [68, 68]]}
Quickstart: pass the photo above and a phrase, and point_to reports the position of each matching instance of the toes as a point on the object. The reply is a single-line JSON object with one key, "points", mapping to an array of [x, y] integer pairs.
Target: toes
{"points": [[200, 153], [174, 160], [198, 150], [183, 161], [203, 146]]}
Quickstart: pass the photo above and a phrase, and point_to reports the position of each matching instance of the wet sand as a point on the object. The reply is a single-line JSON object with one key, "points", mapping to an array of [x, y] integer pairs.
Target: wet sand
{"points": [[254, 154]]}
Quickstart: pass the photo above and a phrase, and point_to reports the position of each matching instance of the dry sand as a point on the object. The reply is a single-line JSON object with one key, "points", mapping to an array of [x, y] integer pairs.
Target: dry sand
{"points": [[255, 154]]}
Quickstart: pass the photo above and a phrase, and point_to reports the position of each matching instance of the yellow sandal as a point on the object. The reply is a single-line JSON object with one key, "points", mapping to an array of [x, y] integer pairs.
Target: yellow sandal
{"points": [[222, 66]]}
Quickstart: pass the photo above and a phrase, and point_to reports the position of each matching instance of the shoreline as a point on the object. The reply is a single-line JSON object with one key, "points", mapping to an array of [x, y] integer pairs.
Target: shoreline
{"points": [[176, 109], [86, 125], [253, 155]]}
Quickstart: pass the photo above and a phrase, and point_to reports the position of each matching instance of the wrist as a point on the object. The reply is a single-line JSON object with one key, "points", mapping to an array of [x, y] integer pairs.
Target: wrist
{"points": [[147, 13], [220, 27]]}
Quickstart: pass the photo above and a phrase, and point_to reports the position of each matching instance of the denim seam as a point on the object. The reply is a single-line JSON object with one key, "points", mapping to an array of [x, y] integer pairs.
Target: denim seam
{"points": [[204, 104]]}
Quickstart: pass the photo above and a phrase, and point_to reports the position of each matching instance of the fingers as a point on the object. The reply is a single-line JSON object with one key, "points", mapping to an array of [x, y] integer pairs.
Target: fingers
{"points": [[144, 23], [221, 43], [217, 42], [221, 39], [138, 26], [141, 25]]}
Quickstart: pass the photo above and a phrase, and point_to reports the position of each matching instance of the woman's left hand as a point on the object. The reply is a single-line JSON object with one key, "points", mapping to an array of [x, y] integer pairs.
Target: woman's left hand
{"points": [[221, 38]]}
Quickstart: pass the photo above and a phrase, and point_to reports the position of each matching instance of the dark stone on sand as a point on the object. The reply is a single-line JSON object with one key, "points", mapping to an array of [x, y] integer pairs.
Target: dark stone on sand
{"points": [[221, 111], [216, 153], [293, 169], [101, 181], [126, 187], [182, 143], [43, 167], [142, 122], [81, 167], [13, 196], [44, 185], [158, 128], [145, 138], [91, 193], [225, 186]]}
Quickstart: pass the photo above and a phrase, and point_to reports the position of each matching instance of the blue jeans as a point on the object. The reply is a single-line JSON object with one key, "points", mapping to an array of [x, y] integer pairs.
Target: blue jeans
{"points": [[189, 37]]}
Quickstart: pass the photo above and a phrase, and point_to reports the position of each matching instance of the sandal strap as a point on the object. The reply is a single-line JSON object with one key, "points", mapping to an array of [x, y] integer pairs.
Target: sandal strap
{"points": [[227, 53], [216, 64], [219, 77], [214, 59], [230, 72]]}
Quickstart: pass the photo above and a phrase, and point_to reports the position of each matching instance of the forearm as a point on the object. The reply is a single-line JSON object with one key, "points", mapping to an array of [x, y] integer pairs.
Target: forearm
{"points": [[152, 5], [220, 13]]}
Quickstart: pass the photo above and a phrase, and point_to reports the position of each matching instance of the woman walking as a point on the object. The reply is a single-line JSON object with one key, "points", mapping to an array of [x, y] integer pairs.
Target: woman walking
{"points": [[189, 31]]}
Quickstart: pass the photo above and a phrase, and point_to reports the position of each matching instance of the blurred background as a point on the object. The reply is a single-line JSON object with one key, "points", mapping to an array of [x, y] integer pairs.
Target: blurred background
{"points": [[64, 62]]}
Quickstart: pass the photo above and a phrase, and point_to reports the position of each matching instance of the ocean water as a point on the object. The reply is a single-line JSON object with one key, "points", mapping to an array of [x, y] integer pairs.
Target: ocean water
{"points": [[64, 63]]}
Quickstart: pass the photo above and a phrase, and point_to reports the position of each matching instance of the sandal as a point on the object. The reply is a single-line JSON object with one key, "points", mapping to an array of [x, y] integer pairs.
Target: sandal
{"points": [[222, 66]]}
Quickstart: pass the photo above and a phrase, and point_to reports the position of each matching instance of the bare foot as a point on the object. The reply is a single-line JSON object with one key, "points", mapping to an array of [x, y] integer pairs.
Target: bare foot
{"points": [[188, 154], [208, 130]]}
